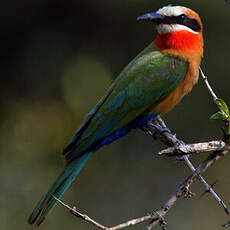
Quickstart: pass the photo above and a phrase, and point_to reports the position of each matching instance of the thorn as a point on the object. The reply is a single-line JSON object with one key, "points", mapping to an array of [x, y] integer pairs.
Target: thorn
{"points": [[161, 219], [226, 225], [188, 194], [208, 190], [163, 223], [227, 210]]}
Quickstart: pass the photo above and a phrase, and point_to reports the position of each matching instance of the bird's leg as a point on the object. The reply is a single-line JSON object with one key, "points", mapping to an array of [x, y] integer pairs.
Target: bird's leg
{"points": [[178, 144], [169, 139], [159, 125]]}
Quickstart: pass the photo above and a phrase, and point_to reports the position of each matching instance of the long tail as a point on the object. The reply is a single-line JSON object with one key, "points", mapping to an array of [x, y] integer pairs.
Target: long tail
{"points": [[62, 183]]}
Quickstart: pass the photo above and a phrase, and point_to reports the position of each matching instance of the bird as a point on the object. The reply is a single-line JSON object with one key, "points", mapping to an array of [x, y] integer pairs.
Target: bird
{"points": [[148, 87]]}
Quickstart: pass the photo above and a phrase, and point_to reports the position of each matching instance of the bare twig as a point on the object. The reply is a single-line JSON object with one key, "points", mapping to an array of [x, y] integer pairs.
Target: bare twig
{"points": [[80, 215], [205, 79], [100, 226], [196, 148]]}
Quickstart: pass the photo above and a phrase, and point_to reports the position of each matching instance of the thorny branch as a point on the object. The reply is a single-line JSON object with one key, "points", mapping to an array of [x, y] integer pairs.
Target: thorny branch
{"points": [[157, 216], [176, 148], [181, 149]]}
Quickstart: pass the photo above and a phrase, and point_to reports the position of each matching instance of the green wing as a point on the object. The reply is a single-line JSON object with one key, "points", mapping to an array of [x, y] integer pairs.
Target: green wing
{"points": [[147, 80]]}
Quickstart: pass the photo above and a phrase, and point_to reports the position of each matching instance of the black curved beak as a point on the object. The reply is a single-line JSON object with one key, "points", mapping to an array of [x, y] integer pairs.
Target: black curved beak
{"points": [[153, 17]]}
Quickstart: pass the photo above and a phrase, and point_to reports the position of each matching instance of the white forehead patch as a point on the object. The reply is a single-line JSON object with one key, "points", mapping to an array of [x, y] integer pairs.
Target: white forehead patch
{"points": [[171, 11]]}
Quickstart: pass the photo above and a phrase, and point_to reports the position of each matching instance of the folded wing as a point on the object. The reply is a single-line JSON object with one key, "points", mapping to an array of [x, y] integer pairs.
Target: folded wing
{"points": [[146, 81]]}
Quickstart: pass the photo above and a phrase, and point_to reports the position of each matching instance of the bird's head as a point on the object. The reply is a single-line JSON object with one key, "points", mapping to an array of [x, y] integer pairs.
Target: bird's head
{"points": [[179, 29]]}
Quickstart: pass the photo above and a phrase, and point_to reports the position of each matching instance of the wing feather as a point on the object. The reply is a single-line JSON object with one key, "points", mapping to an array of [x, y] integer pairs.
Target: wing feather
{"points": [[148, 79]]}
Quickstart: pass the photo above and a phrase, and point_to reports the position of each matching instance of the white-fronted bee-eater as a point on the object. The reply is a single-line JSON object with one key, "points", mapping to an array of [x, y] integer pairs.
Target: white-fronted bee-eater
{"points": [[150, 85]]}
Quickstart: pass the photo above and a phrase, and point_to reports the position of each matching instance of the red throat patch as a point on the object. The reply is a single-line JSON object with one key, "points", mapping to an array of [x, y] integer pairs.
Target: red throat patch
{"points": [[178, 40]]}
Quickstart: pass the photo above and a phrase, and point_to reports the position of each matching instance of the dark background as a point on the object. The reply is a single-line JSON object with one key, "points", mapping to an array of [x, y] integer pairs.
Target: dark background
{"points": [[57, 60]]}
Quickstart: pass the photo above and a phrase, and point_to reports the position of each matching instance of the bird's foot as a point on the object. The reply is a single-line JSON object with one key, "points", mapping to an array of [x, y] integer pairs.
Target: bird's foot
{"points": [[161, 121], [159, 128]]}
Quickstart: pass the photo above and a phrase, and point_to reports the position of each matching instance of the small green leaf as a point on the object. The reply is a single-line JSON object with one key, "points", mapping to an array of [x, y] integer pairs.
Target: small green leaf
{"points": [[217, 116], [222, 106]]}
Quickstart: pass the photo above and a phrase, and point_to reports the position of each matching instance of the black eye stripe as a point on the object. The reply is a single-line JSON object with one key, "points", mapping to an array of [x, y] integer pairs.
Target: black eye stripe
{"points": [[192, 23]]}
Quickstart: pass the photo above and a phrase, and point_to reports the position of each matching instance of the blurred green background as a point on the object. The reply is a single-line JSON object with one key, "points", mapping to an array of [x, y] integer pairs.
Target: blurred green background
{"points": [[57, 60]]}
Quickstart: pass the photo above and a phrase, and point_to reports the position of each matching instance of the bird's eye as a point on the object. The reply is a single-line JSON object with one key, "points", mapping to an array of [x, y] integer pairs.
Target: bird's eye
{"points": [[182, 16]]}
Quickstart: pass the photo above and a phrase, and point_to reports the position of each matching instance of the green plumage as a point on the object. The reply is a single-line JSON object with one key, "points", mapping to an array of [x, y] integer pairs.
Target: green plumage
{"points": [[148, 79], [145, 82]]}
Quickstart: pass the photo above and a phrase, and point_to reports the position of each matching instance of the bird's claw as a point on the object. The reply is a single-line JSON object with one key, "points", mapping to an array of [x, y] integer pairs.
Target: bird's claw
{"points": [[160, 129]]}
